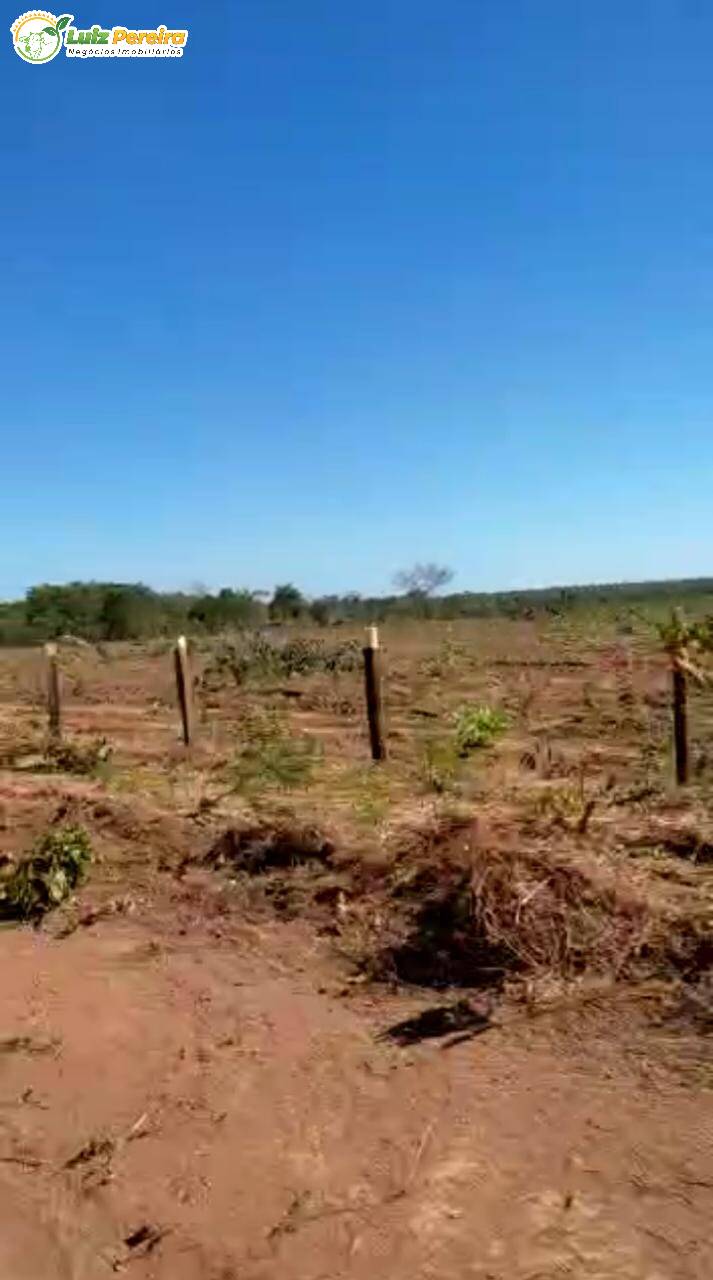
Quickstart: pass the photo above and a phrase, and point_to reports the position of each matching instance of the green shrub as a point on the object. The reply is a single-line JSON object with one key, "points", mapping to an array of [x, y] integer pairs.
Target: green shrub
{"points": [[477, 727], [303, 656], [47, 875], [269, 757], [253, 657]]}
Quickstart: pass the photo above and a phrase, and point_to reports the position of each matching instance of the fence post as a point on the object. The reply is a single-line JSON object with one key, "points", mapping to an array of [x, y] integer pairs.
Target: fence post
{"points": [[680, 723], [372, 680], [54, 697], [184, 688]]}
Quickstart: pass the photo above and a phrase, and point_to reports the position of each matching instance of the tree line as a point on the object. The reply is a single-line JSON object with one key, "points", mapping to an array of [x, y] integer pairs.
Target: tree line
{"points": [[105, 611]]}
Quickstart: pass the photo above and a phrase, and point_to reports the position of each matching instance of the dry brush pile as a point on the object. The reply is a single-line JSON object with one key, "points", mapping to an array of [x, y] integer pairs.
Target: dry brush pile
{"points": [[454, 907]]}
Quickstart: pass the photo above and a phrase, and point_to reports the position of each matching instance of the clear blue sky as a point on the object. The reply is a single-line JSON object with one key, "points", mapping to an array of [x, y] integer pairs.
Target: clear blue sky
{"points": [[352, 285]]}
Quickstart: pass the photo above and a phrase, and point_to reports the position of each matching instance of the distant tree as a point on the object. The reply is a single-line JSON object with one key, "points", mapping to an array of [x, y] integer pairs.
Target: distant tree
{"points": [[110, 610], [228, 609], [320, 612], [287, 603], [423, 579], [74, 606], [14, 627], [95, 610], [129, 612]]}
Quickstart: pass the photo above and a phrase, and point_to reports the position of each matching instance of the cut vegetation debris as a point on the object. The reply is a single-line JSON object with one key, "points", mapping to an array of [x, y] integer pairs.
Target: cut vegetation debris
{"points": [[45, 876], [475, 916], [68, 756], [61, 755], [257, 849], [458, 911]]}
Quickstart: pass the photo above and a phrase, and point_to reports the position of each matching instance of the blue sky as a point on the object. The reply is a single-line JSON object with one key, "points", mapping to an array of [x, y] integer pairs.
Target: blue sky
{"points": [[350, 286]]}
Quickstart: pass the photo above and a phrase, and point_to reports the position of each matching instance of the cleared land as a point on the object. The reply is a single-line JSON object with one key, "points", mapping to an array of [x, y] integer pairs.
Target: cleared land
{"points": [[308, 1017]]}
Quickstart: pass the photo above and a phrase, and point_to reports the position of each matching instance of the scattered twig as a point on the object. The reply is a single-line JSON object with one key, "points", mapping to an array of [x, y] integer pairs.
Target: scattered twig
{"points": [[145, 1237], [587, 812], [419, 1153], [138, 1129], [96, 1148], [27, 1162], [26, 1044]]}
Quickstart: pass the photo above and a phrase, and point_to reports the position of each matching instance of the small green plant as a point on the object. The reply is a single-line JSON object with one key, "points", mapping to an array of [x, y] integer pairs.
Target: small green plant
{"points": [[47, 875], [686, 643], [268, 757], [477, 727]]}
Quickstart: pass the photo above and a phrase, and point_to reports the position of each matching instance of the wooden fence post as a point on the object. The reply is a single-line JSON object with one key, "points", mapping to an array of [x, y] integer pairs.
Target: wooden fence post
{"points": [[184, 688], [54, 697], [680, 723], [372, 679]]}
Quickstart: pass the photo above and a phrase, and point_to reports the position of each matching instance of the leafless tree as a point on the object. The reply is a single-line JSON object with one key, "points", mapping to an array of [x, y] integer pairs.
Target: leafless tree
{"points": [[423, 579]]}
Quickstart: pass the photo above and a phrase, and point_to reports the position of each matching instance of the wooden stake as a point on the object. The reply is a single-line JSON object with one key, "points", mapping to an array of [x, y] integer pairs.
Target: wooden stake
{"points": [[54, 698], [680, 724], [184, 688], [372, 680]]}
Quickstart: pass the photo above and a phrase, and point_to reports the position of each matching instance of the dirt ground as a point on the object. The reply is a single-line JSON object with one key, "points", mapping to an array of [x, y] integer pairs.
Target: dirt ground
{"points": [[197, 1080]]}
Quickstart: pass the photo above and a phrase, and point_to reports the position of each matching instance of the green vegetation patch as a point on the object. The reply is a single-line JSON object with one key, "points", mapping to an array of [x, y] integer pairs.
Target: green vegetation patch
{"points": [[477, 727], [46, 876], [269, 757], [254, 657]]}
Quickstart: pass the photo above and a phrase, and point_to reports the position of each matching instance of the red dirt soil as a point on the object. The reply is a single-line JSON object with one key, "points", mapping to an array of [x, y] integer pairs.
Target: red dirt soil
{"points": [[189, 1091], [184, 1094]]}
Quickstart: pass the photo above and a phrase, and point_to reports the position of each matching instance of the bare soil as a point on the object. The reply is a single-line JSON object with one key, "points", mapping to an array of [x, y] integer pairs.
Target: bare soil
{"points": [[212, 1094], [213, 1066]]}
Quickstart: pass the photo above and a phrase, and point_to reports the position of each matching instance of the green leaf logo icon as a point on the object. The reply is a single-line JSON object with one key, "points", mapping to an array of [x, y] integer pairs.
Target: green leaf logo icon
{"points": [[34, 40]]}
